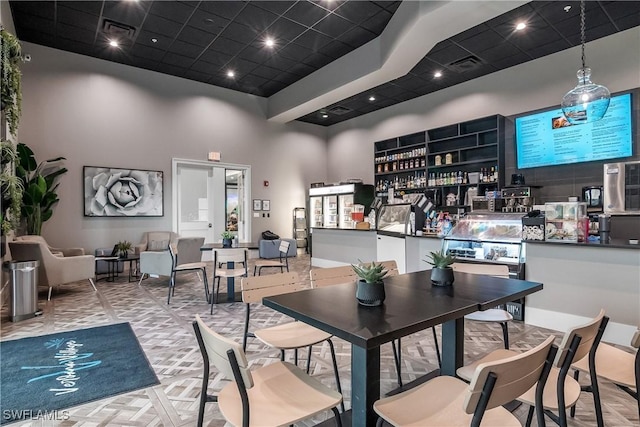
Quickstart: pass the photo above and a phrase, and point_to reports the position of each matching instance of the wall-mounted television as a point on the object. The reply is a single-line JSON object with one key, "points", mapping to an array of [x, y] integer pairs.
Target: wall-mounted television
{"points": [[546, 138]]}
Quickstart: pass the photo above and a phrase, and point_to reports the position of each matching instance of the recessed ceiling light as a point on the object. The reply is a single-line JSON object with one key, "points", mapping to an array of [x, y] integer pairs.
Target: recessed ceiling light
{"points": [[372, 98], [521, 26], [154, 40], [269, 42], [567, 8], [113, 43], [437, 74], [324, 115], [230, 73]]}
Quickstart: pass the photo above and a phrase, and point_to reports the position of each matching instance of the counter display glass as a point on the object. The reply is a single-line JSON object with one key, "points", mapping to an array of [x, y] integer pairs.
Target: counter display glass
{"points": [[395, 218], [494, 238]]}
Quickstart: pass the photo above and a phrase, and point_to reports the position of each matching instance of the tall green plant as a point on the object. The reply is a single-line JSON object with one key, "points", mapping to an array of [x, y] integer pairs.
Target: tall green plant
{"points": [[40, 185], [11, 187], [10, 79]]}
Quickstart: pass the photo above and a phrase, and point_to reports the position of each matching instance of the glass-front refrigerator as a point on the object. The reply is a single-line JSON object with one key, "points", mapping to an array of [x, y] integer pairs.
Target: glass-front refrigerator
{"points": [[331, 206]]}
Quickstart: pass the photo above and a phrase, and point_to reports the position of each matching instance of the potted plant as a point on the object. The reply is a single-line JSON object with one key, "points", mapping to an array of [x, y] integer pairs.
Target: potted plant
{"points": [[227, 237], [441, 273], [123, 248], [40, 184], [370, 287], [10, 79]]}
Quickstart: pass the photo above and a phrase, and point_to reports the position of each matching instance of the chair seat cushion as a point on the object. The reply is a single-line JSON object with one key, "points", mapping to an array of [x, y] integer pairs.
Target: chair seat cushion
{"points": [[291, 335], [491, 315], [613, 364], [282, 395], [438, 403], [191, 266]]}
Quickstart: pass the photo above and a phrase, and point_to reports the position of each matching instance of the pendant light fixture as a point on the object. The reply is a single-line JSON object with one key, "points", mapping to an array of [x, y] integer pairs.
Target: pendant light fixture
{"points": [[587, 102]]}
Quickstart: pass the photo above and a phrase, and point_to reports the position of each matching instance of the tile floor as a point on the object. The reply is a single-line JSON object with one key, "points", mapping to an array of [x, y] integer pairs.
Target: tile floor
{"points": [[166, 335]]}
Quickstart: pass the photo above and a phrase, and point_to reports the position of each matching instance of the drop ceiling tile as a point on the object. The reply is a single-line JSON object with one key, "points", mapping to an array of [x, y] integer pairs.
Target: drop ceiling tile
{"points": [[481, 41], [146, 38], [256, 18], [240, 33], [207, 21], [621, 9], [266, 72], [333, 26], [171, 70], [147, 52], [389, 90], [42, 9], [197, 76], [410, 82], [272, 87], [284, 29], [126, 12], [227, 46], [470, 33], [295, 52], [253, 80], [286, 77], [302, 69], [212, 57], [448, 53], [499, 52], [306, 13], [77, 18], [162, 26], [277, 7], [203, 66], [391, 6], [186, 49], [148, 64], [426, 66], [368, 108], [356, 37], [548, 49], [596, 32], [280, 63], [75, 33], [225, 9], [241, 66], [312, 39], [196, 36], [257, 54], [357, 11], [378, 22], [317, 60], [177, 60], [521, 13], [627, 22], [553, 12], [81, 48], [173, 10], [30, 23], [335, 49], [91, 7], [511, 61], [405, 96]]}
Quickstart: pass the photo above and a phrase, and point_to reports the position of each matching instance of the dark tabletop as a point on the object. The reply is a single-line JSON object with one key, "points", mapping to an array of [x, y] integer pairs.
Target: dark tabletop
{"points": [[411, 305], [241, 245]]}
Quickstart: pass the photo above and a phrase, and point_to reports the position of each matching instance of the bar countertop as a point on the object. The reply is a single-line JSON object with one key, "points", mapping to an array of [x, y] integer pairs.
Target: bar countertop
{"points": [[611, 243]]}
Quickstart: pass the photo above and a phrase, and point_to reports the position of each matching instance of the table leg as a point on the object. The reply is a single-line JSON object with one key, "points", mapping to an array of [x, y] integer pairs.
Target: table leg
{"points": [[452, 346], [365, 385]]}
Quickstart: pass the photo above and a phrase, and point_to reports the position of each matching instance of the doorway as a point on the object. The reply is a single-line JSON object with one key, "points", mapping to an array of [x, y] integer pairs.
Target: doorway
{"points": [[209, 199]]}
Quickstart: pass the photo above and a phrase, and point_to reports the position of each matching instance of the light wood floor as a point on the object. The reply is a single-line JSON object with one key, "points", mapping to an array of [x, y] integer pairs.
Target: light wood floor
{"points": [[166, 335]]}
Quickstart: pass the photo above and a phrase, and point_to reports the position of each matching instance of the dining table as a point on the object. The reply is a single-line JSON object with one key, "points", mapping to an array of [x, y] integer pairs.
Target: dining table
{"points": [[231, 295], [412, 304]]}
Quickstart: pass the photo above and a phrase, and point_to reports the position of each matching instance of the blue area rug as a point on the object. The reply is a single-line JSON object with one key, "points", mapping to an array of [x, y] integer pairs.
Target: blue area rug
{"points": [[43, 375]]}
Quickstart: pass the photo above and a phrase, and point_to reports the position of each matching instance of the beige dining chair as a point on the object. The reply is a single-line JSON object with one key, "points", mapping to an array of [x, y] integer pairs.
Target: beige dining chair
{"points": [[222, 257], [277, 394], [615, 365], [284, 336], [449, 401], [188, 258], [282, 262], [493, 315], [561, 391]]}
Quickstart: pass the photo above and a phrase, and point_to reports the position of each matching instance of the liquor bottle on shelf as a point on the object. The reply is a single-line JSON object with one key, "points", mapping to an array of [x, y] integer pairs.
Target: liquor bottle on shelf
{"points": [[465, 178], [495, 174], [492, 174]]}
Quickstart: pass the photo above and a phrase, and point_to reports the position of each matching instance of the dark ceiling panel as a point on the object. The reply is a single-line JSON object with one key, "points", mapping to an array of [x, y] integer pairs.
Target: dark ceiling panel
{"points": [[203, 40]]}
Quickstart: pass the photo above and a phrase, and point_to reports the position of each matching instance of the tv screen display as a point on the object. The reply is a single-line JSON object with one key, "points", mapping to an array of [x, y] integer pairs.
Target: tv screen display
{"points": [[547, 138]]}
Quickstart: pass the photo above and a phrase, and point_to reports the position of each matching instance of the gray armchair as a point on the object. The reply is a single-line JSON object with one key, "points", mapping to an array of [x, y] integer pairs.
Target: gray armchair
{"points": [[54, 270], [66, 252]]}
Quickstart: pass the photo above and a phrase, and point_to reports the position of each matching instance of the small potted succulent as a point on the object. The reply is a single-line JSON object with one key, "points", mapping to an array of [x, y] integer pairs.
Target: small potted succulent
{"points": [[370, 287], [227, 238], [123, 248], [441, 273]]}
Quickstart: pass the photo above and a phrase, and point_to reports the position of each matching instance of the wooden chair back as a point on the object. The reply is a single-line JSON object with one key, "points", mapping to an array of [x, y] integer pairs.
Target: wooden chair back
{"points": [[255, 288], [188, 250], [321, 277], [513, 376], [587, 334], [391, 266], [230, 255], [496, 270], [216, 347]]}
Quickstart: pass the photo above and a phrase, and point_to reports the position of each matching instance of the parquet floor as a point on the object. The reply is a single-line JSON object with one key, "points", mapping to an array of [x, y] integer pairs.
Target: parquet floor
{"points": [[166, 335]]}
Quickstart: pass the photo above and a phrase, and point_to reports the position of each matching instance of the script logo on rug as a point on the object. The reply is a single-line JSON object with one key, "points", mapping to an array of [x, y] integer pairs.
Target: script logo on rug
{"points": [[70, 361]]}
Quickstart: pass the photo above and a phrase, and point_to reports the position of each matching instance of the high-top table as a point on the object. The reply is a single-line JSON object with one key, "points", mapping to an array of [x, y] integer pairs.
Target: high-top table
{"points": [[231, 294], [411, 305]]}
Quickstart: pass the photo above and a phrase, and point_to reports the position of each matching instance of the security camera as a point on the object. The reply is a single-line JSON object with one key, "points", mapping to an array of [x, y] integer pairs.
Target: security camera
{"points": [[27, 58]]}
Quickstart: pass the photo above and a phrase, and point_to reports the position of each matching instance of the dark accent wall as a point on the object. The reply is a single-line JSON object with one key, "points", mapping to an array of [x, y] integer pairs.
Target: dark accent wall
{"points": [[562, 181]]}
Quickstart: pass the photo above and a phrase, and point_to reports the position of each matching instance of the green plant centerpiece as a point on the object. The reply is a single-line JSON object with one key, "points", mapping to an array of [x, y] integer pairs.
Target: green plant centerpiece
{"points": [[123, 248], [10, 79], [40, 183], [370, 287], [441, 273], [227, 238]]}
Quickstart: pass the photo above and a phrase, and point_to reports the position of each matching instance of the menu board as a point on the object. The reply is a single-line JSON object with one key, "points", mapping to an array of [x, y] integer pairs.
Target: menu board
{"points": [[547, 138]]}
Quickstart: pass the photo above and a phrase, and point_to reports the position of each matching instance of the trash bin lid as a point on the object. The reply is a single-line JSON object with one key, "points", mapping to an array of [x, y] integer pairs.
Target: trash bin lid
{"points": [[20, 265]]}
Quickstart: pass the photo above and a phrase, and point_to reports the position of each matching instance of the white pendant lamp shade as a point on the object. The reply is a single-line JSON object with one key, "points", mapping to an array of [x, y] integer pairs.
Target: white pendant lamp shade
{"points": [[587, 102]]}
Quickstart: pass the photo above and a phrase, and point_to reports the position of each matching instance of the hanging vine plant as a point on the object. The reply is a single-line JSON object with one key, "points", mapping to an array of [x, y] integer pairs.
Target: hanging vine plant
{"points": [[10, 93], [12, 189]]}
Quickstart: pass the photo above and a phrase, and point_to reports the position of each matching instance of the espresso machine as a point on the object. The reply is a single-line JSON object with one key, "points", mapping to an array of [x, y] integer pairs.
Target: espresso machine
{"points": [[517, 199]]}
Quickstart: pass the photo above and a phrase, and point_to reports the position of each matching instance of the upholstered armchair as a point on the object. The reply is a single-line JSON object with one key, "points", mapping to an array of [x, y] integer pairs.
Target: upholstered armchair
{"points": [[160, 263], [54, 270], [156, 241], [55, 251]]}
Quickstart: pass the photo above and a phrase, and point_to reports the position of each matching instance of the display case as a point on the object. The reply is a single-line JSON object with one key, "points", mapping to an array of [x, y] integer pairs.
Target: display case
{"points": [[566, 222], [395, 218], [488, 238]]}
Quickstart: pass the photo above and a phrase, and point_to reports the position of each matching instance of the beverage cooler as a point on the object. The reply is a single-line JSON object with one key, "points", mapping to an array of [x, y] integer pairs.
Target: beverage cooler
{"points": [[331, 206]]}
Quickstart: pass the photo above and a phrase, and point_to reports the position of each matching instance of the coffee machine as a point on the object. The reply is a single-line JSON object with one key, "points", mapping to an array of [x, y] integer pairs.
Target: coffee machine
{"points": [[517, 199]]}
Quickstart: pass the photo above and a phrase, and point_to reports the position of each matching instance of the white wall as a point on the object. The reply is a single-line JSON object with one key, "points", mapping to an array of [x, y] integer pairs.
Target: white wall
{"points": [[97, 113], [615, 61]]}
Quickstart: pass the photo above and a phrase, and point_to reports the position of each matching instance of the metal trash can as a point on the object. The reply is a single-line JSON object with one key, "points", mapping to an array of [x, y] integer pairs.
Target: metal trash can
{"points": [[23, 289]]}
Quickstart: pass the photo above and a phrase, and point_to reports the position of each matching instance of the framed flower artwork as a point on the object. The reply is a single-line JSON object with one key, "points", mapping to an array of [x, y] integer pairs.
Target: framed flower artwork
{"points": [[115, 192]]}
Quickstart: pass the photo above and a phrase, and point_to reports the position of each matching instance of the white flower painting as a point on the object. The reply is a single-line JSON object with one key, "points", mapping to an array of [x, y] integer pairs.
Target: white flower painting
{"points": [[122, 192]]}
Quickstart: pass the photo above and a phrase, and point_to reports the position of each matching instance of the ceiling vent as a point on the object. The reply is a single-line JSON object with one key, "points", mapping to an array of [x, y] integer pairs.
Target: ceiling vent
{"points": [[466, 64], [339, 110], [118, 29]]}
